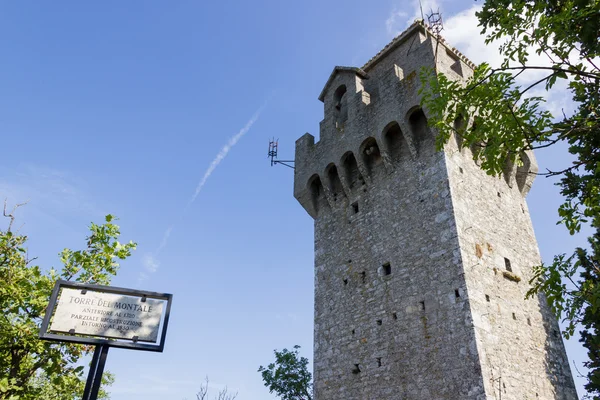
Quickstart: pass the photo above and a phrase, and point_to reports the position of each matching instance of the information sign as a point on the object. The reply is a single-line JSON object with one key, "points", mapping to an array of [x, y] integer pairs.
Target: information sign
{"points": [[117, 317], [107, 315]]}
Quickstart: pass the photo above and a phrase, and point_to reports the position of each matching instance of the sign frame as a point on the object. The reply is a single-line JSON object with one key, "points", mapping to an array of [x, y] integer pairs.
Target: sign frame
{"points": [[126, 343]]}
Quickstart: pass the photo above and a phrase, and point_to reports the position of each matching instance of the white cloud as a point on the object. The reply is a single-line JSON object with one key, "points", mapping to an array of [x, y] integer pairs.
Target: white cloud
{"points": [[50, 190], [53, 197], [150, 263], [462, 31], [423, 8], [394, 21], [399, 20]]}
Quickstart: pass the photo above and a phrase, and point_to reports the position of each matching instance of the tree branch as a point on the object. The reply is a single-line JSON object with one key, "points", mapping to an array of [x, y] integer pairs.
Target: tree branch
{"points": [[536, 83], [523, 68], [11, 214]]}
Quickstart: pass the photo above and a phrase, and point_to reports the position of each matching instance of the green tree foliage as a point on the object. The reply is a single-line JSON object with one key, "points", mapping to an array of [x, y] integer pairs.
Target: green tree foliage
{"points": [[288, 377], [29, 367], [502, 121]]}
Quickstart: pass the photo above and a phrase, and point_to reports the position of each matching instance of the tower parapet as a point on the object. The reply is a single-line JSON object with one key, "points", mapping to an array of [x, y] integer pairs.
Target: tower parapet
{"points": [[356, 136]]}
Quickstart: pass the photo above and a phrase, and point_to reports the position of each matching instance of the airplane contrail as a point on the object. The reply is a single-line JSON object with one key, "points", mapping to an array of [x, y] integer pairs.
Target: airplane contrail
{"points": [[223, 153], [165, 239], [150, 262]]}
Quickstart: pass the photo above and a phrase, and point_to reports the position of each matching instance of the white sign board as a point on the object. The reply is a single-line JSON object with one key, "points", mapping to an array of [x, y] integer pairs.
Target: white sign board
{"points": [[108, 315]]}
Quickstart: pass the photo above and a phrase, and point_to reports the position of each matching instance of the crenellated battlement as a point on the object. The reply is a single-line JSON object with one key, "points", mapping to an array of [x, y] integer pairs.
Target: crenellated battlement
{"points": [[329, 173]]}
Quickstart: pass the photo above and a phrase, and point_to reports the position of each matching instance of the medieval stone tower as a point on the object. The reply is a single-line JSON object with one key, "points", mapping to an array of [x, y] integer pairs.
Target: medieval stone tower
{"points": [[421, 259]]}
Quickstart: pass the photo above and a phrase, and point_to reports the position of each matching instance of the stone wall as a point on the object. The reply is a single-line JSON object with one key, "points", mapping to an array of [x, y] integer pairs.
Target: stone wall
{"points": [[521, 350]]}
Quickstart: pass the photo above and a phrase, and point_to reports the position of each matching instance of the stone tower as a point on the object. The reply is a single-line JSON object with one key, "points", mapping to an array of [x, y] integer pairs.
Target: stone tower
{"points": [[421, 259]]}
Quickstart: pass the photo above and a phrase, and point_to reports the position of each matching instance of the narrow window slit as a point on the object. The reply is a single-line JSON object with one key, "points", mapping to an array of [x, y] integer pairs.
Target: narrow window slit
{"points": [[507, 264], [456, 293], [379, 361], [363, 277], [529, 321], [356, 369], [422, 305], [394, 315], [355, 207], [514, 316], [345, 282], [387, 268], [487, 298], [379, 322]]}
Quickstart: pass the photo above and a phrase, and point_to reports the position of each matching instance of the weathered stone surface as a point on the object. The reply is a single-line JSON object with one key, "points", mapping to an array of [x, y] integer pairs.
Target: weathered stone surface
{"points": [[410, 246]]}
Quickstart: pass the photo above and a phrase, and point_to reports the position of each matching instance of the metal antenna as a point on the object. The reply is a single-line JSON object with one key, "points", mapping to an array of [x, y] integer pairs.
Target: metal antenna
{"points": [[436, 25], [435, 22], [273, 154], [421, 7]]}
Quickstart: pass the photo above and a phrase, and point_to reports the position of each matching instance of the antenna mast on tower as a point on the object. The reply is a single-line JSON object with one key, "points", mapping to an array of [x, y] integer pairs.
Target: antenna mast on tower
{"points": [[273, 154], [435, 22]]}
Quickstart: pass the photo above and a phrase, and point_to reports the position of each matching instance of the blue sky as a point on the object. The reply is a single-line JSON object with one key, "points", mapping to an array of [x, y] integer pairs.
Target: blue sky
{"points": [[160, 113]]}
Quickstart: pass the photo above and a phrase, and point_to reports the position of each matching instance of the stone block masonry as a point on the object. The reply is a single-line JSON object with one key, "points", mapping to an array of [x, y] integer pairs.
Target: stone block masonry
{"points": [[421, 259]]}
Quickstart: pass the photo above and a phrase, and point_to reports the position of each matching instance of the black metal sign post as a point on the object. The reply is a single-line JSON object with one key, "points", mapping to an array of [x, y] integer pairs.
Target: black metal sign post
{"points": [[106, 339], [94, 380]]}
